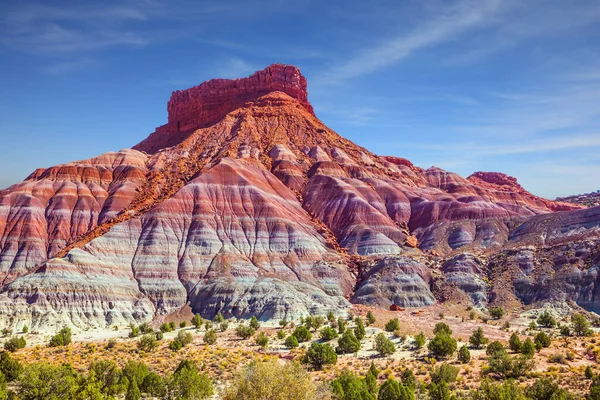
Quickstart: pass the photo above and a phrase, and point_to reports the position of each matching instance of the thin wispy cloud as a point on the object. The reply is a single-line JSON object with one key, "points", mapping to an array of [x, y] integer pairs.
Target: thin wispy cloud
{"points": [[445, 26]]}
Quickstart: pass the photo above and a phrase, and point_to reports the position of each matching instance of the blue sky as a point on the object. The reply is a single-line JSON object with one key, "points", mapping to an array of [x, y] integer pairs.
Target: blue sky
{"points": [[493, 85]]}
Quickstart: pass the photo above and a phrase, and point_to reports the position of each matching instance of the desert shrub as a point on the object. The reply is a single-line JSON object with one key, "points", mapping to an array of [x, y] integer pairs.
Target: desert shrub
{"points": [[154, 386], [328, 333], [528, 348], [164, 327], [147, 342], [464, 355], [420, 340], [47, 381], [320, 354], [442, 327], [159, 335], [14, 343], [111, 344], [478, 339], [108, 376], [392, 325], [254, 323], [557, 358], [134, 331], [384, 346], [271, 380], [341, 325], [187, 383], [506, 367], [223, 326], [359, 329], [262, 340], [145, 328], [196, 321], [547, 389], [185, 338], [439, 391], [175, 345], [349, 386], [514, 343], [565, 331], [172, 325], [442, 345], [182, 324], [210, 337], [25, 329], [291, 342], [408, 378], [281, 334], [318, 322], [348, 343], [6, 332], [495, 348], [370, 318], [283, 323], [541, 340], [135, 371], [302, 334], [496, 312], [507, 390], [546, 320], [391, 389], [244, 332], [9, 367], [133, 392], [580, 325], [62, 338], [444, 373], [330, 317], [218, 318], [588, 373]]}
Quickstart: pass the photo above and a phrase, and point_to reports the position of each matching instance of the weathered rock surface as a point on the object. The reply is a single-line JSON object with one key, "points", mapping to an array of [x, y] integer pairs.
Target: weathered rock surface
{"points": [[246, 203]]}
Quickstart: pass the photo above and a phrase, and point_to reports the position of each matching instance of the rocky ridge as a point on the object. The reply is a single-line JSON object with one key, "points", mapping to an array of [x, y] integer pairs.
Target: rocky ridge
{"points": [[246, 203]]}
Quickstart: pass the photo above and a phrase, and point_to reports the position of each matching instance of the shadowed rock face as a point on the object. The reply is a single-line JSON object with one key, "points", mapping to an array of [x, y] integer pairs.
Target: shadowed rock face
{"points": [[246, 203]]}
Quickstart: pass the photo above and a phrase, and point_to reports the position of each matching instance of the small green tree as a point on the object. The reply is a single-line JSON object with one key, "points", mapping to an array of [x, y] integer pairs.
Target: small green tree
{"points": [[147, 342], [581, 326], [419, 340], [442, 345], [302, 334], [25, 329], [464, 355], [187, 383], [154, 386], [262, 340], [394, 390], [442, 327], [281, 334], [134, 331], [370, 318], [254, 323], [515, 343], [319, 354], [541, 340], [15, 343], [185, 338], [348, 386], [62, 338], [348, 343], [341, 323], [443, 373], [495, 348], [133, 392], [175, 345], [359, 329], [172, 325], [196, 321], [528, 348], [392, 325], [244, 332], [330, 316], [210, 337], [9, 367], [291, 342], [496, 312], [384, 346], [328, 333], [546, 320], [165, 327], [218, 318], [223, 326], [478, 339], [589, 373]]}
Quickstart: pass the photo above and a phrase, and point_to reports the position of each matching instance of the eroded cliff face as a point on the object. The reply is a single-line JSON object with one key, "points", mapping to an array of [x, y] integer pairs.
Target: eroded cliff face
{"points": [[247, 204]]}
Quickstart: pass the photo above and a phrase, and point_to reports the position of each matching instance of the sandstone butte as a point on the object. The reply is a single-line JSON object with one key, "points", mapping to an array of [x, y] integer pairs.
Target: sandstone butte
{"points": [[245, 203]]}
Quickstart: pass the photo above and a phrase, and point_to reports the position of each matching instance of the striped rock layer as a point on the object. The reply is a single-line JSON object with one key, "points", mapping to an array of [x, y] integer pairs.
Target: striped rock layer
{"points": [[245, 203]]}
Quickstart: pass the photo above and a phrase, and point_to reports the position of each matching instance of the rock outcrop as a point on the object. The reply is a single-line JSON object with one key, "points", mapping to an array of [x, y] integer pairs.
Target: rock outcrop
{"points": [[245, 203]]}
